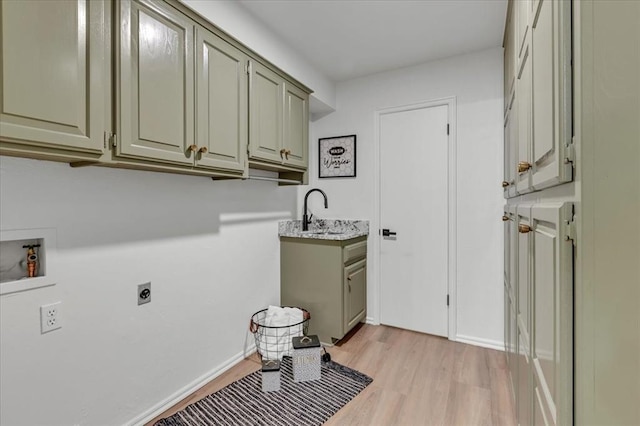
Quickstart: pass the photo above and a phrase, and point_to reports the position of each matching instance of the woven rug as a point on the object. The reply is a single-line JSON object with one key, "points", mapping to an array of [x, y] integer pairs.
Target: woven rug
{"points": [[305, 403]]}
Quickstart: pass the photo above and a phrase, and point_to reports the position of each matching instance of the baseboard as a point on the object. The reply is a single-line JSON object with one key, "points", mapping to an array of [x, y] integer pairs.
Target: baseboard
{"points": [[370, 320], [187, 390], [477, 341]]}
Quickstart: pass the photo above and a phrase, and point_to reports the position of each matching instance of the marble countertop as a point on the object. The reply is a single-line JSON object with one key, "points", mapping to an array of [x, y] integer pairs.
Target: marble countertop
{"points": [[324, 229]]}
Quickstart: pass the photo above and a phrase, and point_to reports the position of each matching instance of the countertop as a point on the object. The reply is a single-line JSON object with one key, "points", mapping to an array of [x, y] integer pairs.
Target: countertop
{"points": [[324, 229]]}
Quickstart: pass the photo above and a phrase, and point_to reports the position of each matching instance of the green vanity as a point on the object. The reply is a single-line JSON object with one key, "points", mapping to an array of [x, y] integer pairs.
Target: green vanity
{"points": [[324, 270]]}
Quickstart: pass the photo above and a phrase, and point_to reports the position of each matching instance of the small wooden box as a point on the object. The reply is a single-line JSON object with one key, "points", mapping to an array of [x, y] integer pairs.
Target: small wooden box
{"points": [[306, 358], [270, 375]]}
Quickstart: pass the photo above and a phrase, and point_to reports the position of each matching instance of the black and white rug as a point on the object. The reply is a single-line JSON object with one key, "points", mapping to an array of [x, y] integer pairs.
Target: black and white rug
{"points": [[306, 403]]}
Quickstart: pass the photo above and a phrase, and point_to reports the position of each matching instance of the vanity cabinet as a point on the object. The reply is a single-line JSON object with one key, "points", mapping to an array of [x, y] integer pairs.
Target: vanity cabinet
{"points": [[329, 279], [55, 79], [279, 121]]}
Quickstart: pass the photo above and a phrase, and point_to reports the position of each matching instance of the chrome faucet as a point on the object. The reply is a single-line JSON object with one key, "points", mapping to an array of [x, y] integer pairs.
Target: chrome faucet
{"points": [[307, 219]]}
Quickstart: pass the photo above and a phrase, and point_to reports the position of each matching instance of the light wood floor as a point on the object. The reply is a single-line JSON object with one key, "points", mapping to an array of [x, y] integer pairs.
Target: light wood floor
{"points": [[418, 379]]}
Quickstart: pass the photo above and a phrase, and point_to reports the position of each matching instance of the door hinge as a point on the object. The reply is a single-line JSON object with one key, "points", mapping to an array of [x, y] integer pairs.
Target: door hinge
{"points": [[447, 128], [569, 221], [570, 153], [110, 139], [447, 300]]}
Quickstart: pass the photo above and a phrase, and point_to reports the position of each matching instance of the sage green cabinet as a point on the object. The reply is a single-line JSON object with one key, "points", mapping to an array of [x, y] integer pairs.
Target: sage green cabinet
{"points": [[183, 91], [279, 121], [539, 310], [156, 83], [542, 99], [329, 279], [222, 103], [55, 79]]}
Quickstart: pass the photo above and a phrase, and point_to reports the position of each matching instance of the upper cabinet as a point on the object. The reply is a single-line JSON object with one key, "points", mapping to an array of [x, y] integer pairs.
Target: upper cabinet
{"points": [[279, 121], [552, 148], [187, 97], [542, 97], [156, 83], [55, 79], [222, 85]]}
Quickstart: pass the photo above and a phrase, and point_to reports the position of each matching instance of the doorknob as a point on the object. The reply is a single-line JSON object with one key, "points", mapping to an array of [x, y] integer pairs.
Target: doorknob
{"points": [[387, 233]]}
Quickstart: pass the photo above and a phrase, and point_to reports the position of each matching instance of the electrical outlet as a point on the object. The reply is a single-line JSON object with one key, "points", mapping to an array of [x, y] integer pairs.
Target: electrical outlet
{"points": [[144, 293], [50, 317]]}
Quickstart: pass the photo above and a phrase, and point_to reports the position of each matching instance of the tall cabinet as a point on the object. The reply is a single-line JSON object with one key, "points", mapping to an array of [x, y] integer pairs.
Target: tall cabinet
{"points": [[572, 213]]}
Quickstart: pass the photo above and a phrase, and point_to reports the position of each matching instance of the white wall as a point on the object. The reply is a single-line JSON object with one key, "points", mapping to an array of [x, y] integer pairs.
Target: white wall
{"points": [[237, 21], [476, 81], [210, 250]]}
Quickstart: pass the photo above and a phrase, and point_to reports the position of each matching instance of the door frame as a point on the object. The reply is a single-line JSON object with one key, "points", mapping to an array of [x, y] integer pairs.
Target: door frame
{"points": [[450, 102]]}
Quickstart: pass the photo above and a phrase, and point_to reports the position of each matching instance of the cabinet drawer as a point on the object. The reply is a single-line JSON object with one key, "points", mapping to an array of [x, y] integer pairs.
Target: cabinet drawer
{"points": [[354, 251]]}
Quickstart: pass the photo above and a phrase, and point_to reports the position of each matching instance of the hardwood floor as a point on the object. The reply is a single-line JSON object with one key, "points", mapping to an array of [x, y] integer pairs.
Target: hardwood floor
{"points": [[418, 379]]}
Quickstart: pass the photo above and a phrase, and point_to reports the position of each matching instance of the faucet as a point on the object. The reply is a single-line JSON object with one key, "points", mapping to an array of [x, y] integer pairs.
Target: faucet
{"points": [[307, 219]]}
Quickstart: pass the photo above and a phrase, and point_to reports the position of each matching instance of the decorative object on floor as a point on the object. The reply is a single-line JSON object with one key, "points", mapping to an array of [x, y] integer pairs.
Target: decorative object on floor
{"points": [[337, 156], [274, 327], [270, 375], [300, 404], [306, 358]]}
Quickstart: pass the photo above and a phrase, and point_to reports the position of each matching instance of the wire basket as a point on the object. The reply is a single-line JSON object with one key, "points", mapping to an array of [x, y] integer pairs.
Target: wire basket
{"points": [[274, 342]]}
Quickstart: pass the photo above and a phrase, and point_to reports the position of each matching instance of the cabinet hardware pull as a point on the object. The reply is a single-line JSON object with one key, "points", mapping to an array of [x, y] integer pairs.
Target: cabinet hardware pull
{"points": [[282, 152], [349, 277], [524, 229], [505, 184], [203, 150], [193, 148], [505, 218], [523, 166]]}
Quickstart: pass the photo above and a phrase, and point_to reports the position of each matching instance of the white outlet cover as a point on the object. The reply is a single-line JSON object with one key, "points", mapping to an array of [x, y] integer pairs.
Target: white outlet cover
{"points": [[50, 317]]}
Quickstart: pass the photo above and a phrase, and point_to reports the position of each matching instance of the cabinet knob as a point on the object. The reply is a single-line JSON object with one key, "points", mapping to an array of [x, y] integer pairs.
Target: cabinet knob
{"points": [[282, 152], [505, 184], [203, 150], [505, 218], [286, 153], [193, 148], [524, 229], [523, 166]]}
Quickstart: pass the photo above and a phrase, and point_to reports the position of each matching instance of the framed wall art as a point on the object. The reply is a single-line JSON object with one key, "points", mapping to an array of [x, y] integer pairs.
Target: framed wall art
{"points": [[337, 156]]}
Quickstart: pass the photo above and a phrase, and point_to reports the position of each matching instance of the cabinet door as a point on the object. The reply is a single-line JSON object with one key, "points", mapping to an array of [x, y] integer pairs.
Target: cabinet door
{"points": [[523, 100], [524, 390], [266, 98], [54, 75], [156, 117], [523, 265], [552, 312], [355, 294], [523, 13], [296, 126], [222, 104], [551, 54]]}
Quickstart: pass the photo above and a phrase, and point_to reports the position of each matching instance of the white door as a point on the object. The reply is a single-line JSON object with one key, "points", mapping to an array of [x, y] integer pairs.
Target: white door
{"points": [[414, 205]]}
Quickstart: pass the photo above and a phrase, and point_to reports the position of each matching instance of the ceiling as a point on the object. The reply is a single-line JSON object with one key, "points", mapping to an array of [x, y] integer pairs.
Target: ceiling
{"points": [[346, 39]]}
